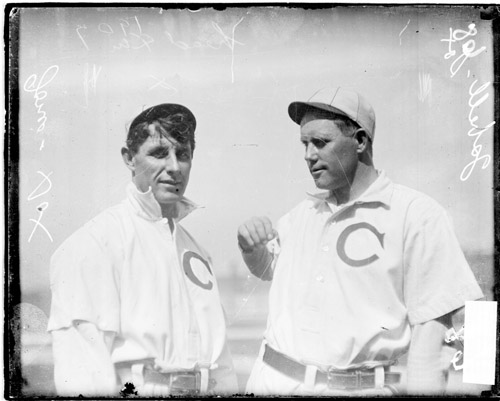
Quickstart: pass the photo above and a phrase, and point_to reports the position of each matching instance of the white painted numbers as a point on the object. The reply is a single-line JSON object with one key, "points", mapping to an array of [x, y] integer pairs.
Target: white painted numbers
{"points": [[125, 33], [468, 48]]}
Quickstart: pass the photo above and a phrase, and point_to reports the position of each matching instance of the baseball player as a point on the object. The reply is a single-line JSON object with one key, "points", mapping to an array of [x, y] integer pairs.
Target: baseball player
{"points": [[362, 272], [135, 303]]}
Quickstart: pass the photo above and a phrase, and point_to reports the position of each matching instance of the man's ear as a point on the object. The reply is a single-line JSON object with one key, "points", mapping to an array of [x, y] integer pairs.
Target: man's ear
{"points": [[362, 139], [128, 159]]}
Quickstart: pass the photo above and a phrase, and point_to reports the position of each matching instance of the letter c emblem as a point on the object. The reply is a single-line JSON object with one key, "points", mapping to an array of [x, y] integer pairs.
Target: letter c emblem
{"points": [[343, 238], [188, 269]]}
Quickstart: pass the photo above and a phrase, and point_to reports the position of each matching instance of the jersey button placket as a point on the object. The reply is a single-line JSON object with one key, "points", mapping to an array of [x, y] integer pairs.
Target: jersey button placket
{"points": [[325, 249]]}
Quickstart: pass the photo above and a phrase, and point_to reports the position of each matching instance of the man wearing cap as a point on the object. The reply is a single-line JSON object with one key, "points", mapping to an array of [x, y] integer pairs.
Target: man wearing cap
{"points": [[362, 273], [135, 304]]}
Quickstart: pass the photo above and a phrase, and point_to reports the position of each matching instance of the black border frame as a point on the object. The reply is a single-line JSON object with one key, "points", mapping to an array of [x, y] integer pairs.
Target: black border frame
{"points": [[12, 294]]}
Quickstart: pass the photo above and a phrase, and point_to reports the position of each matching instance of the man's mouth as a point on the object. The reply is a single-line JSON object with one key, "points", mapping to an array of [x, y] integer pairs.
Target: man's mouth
{"points": [[170, 182], [315, 172]]}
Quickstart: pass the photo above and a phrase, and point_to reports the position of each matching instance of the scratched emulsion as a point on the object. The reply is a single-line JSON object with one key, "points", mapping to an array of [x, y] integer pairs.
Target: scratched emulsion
{"points": [[85, 72], [31, 326]]}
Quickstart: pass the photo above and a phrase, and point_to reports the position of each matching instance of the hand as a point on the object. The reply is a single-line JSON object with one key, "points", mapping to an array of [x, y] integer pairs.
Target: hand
{"points": [[255, 233]]}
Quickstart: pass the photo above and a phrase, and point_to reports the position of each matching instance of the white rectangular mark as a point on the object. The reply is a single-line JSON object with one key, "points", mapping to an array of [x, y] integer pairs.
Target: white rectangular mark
{"points": [[480, 342]]}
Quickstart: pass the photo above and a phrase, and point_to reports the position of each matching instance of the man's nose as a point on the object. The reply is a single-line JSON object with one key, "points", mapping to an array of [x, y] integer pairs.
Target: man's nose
{"points": [[172, 164], [311, 152]]}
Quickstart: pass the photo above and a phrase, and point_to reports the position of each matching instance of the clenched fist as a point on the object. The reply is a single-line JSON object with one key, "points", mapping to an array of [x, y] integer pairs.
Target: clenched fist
{"points": [[254, 233]]}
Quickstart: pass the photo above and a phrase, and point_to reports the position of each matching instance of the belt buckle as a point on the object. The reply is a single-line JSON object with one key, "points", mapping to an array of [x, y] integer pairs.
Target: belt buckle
{"points": [[333, 378], [185, 383], [366, 383]]}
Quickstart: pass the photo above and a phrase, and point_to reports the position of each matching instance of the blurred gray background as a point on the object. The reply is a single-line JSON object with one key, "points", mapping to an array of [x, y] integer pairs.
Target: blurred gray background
{"points": [[85, 73]]}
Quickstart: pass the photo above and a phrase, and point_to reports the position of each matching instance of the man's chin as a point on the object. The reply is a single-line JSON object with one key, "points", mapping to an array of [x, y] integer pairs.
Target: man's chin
{"points": [[320, 185], [324, 186], [168, 198]]}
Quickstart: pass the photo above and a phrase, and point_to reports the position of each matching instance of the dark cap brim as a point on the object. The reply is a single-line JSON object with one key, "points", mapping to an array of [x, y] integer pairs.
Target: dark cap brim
{"points": [[297, 110], [163, 110]]}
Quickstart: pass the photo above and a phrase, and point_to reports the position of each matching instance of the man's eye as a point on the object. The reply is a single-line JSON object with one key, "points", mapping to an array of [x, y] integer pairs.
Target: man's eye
{"points": [[183, 155], [160, 154], [319, 143]]}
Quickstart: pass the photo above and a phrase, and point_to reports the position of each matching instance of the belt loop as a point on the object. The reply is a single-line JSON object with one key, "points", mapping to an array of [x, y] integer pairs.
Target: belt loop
{"points": [[310, 377], [379, 376], [204, 378], [137, 370]]}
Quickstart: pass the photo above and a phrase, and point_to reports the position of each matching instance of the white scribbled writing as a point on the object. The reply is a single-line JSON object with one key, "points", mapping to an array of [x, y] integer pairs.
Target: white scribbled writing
{"points": [[468, 48], [404, 29], [35, 86], [476, 95], [161, 83], [128, 34], [32, 86], [222, 39], [214, 43], [80, 35], [230, 42], [36, 193], [476, 131]]}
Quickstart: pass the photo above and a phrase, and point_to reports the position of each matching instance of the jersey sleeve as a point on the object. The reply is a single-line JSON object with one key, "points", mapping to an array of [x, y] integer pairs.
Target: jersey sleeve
{"points": [[82, 361], [84, 283], [438, 279]]}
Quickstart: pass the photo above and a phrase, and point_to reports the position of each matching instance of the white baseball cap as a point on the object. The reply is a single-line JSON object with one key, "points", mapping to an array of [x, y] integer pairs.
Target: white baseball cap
{"points": [[339, 101]]}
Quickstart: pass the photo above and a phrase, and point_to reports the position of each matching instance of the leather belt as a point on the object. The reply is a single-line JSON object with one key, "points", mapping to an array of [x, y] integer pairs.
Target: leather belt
{"points": [[185, 382], [335, 379], [179, 383]]}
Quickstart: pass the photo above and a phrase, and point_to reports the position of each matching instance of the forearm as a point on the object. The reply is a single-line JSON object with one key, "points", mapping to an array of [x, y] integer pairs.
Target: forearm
{"points": [[426, 371], [82, 361], [259, 262]]}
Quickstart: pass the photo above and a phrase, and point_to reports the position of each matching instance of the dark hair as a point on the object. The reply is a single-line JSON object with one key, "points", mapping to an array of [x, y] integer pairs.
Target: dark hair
{"points": [[180, 125]]}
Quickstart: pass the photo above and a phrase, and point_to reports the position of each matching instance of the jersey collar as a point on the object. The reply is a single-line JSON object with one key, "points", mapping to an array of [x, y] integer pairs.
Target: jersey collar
{"points": [[146, 205], [380, 191]]}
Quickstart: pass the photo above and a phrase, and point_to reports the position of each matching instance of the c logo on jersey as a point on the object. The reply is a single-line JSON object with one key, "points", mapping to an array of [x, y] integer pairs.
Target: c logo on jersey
{"points": [[192, 259], [343, 238]]}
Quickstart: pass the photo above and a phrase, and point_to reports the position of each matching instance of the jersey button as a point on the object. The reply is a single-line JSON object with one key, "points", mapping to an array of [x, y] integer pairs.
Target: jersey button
{"points": [[325, 248], [320, 278]]}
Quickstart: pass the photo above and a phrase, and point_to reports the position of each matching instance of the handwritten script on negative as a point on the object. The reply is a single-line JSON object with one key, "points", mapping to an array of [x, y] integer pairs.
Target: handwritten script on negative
{"points": [[468, 51], [39, 89]]}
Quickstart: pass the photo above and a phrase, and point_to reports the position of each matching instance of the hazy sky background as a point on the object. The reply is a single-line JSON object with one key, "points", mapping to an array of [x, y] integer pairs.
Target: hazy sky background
{"points": [[238, 70]]}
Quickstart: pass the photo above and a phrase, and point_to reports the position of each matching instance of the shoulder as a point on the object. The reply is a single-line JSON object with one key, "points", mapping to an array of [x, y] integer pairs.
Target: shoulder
{"points": [[100, 232], [111, 218], [415, 203], [303, 206], [297, 216], [296, 211]]}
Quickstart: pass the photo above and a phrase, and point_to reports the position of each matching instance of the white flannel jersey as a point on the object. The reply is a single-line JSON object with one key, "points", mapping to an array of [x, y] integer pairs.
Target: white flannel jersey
{"points": [[349, 281], [126, 288]]}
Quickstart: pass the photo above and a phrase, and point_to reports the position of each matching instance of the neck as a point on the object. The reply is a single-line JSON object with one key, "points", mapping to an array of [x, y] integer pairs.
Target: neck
{"points": [[365, 175], [170, 211], [171, 224]]}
